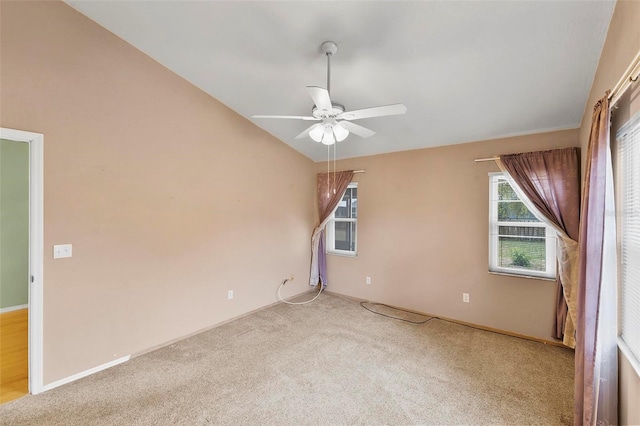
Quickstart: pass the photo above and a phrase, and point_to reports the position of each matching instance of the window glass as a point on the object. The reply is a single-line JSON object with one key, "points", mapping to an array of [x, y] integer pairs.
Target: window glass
{"points": [[345, 235], [520, 243], [627, 177], [341, 228], [348, 206], [522, 252]]}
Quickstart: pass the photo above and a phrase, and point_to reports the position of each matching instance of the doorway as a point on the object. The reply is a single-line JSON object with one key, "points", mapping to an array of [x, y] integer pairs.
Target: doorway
{"points": [[14, 269], [21, 262]]}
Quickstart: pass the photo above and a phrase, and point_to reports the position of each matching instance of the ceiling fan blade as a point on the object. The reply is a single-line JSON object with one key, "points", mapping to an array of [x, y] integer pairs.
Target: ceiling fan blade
{"points": [[305, 133], [357, 129], [293, 117], [320, 97], [381, 111]]}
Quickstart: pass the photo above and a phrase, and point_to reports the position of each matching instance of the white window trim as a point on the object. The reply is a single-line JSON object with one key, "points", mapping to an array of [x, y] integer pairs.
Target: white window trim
{"points": [[631, 126], [550, 247], [330, 232]]}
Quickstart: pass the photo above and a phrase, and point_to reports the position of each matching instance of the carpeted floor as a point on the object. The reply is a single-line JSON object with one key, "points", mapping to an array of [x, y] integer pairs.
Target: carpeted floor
{"points": [[326, 363]]}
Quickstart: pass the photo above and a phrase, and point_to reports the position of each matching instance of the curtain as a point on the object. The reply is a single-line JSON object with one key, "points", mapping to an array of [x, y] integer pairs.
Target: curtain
{"points": [[330, 188], [550, 180], [596, 363]]}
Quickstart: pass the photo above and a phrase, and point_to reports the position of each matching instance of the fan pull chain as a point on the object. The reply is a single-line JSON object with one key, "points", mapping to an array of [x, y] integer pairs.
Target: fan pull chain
{"points": [[328, 170], [334, 167]]}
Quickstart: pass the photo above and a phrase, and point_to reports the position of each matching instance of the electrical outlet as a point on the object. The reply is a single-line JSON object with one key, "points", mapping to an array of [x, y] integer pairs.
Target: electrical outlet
{"points": [[368, 280], [465, 297], [230, 294], [61, 251]]}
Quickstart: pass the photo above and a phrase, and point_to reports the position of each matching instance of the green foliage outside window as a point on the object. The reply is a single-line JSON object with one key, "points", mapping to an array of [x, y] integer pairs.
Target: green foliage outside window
{"points": [[520, 258]]}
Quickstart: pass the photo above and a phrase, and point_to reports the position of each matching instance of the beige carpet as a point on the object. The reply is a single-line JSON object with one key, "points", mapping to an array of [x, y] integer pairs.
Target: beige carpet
{"points": [[329, 362]]}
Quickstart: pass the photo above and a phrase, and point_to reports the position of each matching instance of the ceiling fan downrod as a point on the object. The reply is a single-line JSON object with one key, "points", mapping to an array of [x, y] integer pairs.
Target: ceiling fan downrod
{"points": [[329, 48]]}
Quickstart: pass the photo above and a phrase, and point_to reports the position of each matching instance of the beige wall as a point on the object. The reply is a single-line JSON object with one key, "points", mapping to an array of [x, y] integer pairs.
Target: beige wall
{"points": [[168, 197], [629, 393], [423, 225], [621, 46]]}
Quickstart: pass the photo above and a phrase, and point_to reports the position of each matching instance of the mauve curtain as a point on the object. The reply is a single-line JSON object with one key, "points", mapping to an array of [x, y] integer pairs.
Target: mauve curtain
{"points": [[550, 180], [596, 363], [330, 188]]}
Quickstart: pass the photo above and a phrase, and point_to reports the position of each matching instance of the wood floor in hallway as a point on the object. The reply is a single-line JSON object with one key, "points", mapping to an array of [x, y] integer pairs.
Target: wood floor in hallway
{"points": [[14, 354]]}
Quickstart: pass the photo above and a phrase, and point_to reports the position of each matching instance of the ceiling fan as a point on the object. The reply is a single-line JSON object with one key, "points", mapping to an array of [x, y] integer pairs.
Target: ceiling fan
{"points": [[334, 122]]}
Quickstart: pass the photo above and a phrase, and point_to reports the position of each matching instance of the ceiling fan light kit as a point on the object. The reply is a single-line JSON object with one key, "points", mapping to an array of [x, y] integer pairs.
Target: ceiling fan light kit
{"points": [[316, 132], [335, 123]]}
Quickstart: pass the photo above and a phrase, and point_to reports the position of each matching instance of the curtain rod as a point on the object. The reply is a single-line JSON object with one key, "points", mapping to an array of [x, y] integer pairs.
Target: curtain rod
{"points": [[354, 172], [630, 76], [482, 160]]}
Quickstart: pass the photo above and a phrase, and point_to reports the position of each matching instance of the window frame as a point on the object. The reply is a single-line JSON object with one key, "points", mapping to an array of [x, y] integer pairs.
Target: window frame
{"points": [[494, 225], [627, 133], [330, 230]]}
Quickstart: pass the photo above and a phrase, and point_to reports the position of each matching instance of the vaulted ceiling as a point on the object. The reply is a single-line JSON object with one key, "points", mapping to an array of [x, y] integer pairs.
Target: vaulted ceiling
{"points": [[466, 71]]}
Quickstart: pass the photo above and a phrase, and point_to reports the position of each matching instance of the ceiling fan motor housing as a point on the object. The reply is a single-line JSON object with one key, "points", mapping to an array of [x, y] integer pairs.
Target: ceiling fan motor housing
{"points": [[336, 109]]}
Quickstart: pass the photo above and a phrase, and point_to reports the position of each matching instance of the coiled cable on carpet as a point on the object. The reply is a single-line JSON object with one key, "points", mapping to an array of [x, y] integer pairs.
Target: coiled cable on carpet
{"points": [[445, 320], [296, 303], [397, 309]]}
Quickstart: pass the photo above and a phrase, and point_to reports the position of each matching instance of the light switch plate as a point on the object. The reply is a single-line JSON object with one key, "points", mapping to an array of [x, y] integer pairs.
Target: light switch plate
{"points": [[61, 251]]}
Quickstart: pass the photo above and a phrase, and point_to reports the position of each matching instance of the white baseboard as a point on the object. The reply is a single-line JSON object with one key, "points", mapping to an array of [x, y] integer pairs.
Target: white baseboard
{"points": [[85, 373], [126, 358], [13, 308]]}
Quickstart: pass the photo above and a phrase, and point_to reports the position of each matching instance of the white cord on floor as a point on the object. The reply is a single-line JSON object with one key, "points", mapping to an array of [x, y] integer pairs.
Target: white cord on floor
{"points": [[296, 303]]}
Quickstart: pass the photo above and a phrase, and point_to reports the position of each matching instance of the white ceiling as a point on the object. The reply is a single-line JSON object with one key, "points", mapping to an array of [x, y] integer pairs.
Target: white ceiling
{"points": [[466, 71]]}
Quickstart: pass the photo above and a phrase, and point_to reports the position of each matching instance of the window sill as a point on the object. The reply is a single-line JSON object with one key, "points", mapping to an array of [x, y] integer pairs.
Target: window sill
{"points": [[333, 253], [529, 277]]}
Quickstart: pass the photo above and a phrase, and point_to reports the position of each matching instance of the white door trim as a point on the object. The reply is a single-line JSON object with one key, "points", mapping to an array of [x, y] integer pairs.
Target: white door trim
{"points": [[36, 247]]}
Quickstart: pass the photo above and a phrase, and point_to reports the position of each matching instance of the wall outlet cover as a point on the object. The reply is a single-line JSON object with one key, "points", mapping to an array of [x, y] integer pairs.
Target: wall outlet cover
{"points": [[60, 251]]}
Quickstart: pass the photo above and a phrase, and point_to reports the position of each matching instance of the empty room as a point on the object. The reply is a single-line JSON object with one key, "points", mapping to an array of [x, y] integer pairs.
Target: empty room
{"points": [[319, 212]]}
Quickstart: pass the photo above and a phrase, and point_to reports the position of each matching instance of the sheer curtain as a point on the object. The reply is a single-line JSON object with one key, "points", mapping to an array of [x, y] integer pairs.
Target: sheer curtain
{"points": [[596, 360], [330, 189], [550, 183]]}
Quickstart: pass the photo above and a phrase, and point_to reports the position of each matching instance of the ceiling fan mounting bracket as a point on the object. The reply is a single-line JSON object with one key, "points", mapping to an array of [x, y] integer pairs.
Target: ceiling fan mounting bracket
{"points": [[329, 48]]}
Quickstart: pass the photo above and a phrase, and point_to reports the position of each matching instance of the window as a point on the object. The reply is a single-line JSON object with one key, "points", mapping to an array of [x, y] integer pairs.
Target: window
{"points": [[628, 205], [519, 243], [341, 228]]}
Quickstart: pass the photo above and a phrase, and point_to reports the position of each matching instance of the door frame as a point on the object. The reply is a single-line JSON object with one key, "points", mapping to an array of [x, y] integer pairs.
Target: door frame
{"points": [[36, 250]]}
